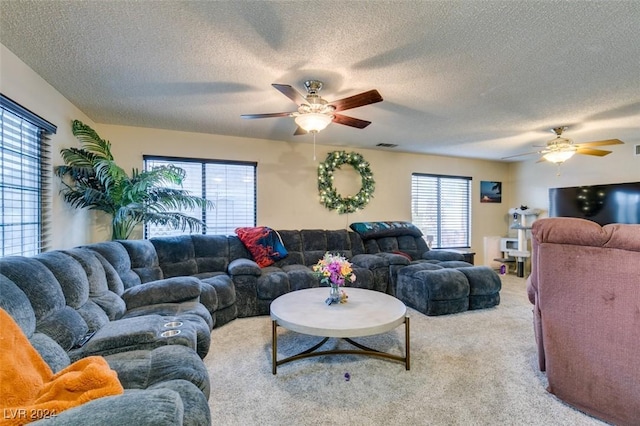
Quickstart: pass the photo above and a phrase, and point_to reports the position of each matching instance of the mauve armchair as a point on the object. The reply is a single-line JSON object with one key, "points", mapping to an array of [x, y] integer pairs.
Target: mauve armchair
{"points": [[585, 287]]}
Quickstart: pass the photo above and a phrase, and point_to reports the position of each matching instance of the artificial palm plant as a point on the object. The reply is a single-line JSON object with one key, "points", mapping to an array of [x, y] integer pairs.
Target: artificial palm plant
{"points": [[94, 181]]}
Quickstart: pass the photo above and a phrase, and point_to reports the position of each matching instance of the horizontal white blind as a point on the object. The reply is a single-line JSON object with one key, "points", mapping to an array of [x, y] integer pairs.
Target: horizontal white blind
{"points": [[24, 182], [441, 208], [230, 186]]}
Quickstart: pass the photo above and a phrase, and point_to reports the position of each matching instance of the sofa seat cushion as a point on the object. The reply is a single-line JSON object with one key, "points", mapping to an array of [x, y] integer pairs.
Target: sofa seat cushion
{"points": [[300, 277], [454, 264], [272, 283]]}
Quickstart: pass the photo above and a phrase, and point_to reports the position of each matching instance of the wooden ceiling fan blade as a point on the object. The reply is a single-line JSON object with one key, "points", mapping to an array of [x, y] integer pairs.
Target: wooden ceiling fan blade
{"points": [[290, 93], [350, 121], [602, 143], [355, 101], [591, 151], [271, 115], [300, 131]]}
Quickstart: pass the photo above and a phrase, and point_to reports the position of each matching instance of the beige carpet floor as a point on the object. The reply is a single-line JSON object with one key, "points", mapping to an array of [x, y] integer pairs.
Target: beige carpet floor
{"points": [[472, 368]]}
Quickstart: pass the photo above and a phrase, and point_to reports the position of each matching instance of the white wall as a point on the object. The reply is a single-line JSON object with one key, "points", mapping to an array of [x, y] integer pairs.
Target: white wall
{"points": [[71, 227]]}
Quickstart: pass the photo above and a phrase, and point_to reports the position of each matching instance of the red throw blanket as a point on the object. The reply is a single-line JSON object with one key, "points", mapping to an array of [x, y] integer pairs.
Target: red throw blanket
{"points": [[30, 391]]}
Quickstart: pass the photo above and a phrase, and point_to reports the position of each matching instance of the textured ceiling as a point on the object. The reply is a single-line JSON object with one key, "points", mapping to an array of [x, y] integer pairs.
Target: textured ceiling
{"points": [[479, 79]]}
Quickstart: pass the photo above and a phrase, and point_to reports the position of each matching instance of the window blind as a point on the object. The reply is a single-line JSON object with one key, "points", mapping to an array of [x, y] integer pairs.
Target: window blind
{"points": [[441, 209], [231, 186], [25, 190]]}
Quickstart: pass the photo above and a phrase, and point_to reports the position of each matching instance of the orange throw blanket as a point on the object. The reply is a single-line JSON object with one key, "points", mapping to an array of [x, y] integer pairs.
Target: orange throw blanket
{"points": [[30, 391]]}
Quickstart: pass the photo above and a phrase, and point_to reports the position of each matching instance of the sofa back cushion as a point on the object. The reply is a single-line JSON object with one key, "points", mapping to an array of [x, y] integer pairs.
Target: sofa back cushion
{"points": [[409, 245], [16, 303], [118, 257], [292, 241], [70, 274], [176, 255], [99, 292], [391, 237], [53, 317], [307, 246], [144, 259], [211, 252]]}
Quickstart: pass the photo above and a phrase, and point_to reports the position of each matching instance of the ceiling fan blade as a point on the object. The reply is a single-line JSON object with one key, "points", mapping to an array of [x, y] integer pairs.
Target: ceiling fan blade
{"points": [[290, 93], [602, 143], [350, 121], [300, 131], [521, 155], [273, 114], [355, 101], [591, 151]]}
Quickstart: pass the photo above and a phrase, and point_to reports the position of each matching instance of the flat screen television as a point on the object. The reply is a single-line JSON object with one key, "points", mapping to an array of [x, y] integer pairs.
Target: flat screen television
{"points": [[610, 203]]}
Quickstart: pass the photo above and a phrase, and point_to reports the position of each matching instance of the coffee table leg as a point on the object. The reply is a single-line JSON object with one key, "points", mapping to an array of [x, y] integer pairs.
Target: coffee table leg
{"points": [[274, 345], [406, 344]]}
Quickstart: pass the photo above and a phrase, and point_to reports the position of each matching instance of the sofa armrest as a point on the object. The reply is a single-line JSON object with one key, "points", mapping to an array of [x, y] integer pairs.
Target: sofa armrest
{"points": [[169, 290], [369, 261], [155, 407], [244, 267]]}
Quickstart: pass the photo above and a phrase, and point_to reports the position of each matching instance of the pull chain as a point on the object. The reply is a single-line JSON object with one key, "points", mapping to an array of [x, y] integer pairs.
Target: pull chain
{"points": [[314, 146]]}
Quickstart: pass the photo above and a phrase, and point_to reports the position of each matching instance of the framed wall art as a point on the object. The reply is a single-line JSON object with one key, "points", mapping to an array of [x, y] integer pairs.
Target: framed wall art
{"points": [[490, 192]]}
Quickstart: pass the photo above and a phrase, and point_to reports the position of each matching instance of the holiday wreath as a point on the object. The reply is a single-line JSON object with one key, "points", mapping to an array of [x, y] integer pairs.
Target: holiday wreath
{"points": [[328, 194]]}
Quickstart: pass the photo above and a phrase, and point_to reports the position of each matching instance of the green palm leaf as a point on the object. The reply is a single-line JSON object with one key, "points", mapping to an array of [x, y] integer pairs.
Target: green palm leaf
{"points": [[91, 179]]}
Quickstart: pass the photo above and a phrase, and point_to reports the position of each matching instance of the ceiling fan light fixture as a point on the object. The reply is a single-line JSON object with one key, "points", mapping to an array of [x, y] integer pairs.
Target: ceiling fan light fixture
{"points": [[559, 156], [313, 122]]}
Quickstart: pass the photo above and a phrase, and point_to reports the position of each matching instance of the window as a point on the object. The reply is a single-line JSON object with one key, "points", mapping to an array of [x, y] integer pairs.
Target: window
{"points": [[441, 208], [24, 180], [231, 186]]}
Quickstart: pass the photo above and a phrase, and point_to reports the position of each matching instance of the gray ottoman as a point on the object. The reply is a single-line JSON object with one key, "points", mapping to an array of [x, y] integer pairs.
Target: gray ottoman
{"points": [[432, 289], [484, 286]]}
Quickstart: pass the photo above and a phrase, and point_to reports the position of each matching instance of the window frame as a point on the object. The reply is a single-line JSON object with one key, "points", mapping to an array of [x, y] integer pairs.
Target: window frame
{"points": [[203, 162], [436, 240], [30, 243]]}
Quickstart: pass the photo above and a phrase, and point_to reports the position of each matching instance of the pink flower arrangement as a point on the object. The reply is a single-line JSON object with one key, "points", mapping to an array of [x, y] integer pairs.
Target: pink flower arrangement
{"points": [[334, 269]]}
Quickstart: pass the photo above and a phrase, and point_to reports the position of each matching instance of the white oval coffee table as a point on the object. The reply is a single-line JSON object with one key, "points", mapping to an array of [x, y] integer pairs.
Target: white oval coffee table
{"points": [[366, 313]]}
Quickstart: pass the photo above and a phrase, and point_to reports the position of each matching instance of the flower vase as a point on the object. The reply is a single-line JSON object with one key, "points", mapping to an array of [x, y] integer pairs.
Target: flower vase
{"points": [[334, 293]]}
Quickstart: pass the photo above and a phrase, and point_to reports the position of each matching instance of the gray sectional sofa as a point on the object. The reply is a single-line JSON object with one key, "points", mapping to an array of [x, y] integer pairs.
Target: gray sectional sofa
{"points": [[151, 304]]}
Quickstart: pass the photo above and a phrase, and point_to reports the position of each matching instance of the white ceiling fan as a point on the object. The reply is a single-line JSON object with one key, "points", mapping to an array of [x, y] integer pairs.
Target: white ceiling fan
{"points": [[560, 149]]}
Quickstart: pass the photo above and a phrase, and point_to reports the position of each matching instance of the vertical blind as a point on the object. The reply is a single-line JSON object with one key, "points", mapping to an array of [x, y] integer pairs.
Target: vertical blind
{"points": [[24, 180], [230, 186], [441, 208]]}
